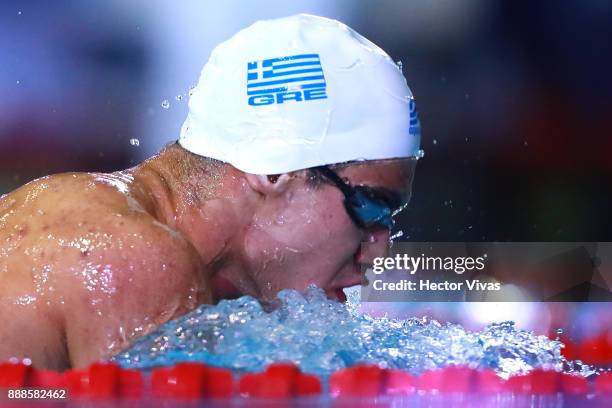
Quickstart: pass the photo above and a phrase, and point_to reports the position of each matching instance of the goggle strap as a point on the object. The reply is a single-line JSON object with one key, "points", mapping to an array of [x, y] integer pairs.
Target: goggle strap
{"points": [[334, 178]]}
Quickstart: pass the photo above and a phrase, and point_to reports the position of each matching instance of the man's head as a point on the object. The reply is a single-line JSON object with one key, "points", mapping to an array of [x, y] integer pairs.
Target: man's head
{"points": [[262, 233], [319, 133], [302, 232]]}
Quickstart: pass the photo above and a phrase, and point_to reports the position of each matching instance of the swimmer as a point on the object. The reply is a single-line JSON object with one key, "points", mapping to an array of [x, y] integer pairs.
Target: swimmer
{"points": [[300, 144]]}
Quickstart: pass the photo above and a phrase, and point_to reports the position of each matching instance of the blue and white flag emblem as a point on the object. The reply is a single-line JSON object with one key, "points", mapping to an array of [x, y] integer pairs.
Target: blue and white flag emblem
{"points": [[293, 78]]}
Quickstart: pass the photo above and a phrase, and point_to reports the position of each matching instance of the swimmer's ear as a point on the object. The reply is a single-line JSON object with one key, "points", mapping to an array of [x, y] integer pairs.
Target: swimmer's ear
{"points": [[268, 185]]}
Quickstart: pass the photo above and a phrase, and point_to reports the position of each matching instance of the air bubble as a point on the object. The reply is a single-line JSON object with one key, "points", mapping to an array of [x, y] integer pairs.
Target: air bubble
{"points": [[435, 141], [165, 104], [135, 142]]}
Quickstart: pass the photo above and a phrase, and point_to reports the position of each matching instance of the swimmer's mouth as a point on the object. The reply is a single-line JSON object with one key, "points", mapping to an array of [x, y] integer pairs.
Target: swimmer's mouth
{"points": [[336, 294], [341, 295]]}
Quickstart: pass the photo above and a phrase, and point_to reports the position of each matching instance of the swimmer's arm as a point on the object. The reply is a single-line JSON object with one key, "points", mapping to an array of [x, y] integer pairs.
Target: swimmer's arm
{"points": [[31, 333], [136, 288]]}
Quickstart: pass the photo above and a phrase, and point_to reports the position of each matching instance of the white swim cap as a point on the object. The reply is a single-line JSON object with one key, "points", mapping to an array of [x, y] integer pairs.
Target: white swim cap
{"points": [[298, 92]]}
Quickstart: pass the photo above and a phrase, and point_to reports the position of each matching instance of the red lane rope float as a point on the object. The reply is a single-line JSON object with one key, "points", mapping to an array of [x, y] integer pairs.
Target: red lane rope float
{"points": [[359, 381], [47, 379], [372, 381], [603, 384], [487, 382], [193, 381], [595, 350], [14, 375], [100, 381], [573, 384], [451, 380], [280, 380]]}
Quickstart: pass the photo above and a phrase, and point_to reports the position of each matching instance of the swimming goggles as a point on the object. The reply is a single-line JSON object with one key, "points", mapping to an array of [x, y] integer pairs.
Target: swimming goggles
{"points": [[367, 206]]}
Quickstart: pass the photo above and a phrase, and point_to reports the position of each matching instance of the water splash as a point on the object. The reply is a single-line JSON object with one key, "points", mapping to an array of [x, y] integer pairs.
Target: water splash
{"points": [[322, 335], [395, 236], [400, 66]]}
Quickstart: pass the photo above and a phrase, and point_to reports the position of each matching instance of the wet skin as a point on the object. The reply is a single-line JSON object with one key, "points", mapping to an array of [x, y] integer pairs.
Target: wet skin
{"points": [[91, 261], [85, 267]]}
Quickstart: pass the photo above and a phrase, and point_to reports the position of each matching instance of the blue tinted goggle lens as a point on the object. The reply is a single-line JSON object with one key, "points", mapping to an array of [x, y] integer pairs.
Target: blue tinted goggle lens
{"points": [[366, 207], [367, 211]]}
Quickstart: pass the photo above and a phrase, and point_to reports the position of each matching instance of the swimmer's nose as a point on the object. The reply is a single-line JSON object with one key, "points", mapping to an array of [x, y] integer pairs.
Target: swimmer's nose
{"points": [[375, 244]]}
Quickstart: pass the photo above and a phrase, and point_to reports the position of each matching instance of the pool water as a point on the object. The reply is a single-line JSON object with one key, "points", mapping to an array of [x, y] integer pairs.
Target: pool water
{"points": [[322, 336]]}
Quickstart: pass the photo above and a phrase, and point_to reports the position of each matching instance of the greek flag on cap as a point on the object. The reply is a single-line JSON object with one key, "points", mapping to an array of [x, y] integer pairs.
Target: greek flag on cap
{"points": [[277, 80]]}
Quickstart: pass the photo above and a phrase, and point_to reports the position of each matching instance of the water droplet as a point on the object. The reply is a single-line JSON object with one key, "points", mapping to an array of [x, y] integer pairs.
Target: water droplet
{"points": [[420, 154], [397, 235], [400, 66], [18, 82], [135, 142], [559, 331], [165, 104], [19, 13], [179, 97], [435, 141]]}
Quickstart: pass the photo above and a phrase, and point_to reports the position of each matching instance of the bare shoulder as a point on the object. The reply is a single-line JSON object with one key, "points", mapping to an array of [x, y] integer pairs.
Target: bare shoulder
{"points": [[89, 253], [84, 216]]}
